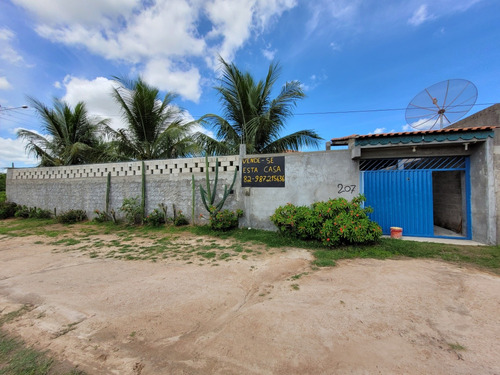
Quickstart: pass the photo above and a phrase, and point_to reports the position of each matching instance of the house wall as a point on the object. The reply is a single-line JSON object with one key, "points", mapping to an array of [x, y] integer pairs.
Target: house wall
{"points": [[309, 177], [447, 200], [483, 202]]}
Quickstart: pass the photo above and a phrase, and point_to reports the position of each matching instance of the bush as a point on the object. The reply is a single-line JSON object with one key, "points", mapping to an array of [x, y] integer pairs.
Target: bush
{"points": [[155, 218], [132, 209], [180, 219], [333, 222], [72, 216], [3, 196], [101, 216], [225, 219], [7, 209], [26, 212]]}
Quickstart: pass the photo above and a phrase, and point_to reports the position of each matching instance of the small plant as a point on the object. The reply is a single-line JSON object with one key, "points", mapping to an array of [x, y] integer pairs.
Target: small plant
{"points": [[101, 216], [72, 216], [132, 209], [155, 218], [225, 219], [7, 209], [180, 219], [26, 212]]}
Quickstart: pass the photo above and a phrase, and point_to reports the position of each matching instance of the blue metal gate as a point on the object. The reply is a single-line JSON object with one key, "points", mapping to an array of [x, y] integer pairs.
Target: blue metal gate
{"points": [[401, 199], [400, 191]]}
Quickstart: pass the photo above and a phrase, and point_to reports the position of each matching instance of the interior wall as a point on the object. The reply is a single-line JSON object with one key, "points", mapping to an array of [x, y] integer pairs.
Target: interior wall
{"points": [[448, 200]]}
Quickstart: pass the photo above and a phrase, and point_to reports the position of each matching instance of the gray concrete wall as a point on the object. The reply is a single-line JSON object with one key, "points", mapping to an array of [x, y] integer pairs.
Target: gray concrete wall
{"points": [[310, 177], [487, 117], [447, 200], [84, 187], [483, 204], [496, 181]]}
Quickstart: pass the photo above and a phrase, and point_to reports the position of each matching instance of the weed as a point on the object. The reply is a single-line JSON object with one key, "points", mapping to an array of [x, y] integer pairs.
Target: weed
{"points": [[295, 286], [15, 314], [456, 347], [299, 275], [66, 241]]}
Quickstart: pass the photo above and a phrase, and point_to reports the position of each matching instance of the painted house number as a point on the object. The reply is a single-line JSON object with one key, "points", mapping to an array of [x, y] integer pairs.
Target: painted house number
{"points": [[346, 188]]}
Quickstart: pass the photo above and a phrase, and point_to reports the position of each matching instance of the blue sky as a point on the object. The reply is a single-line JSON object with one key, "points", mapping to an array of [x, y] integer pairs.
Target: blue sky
{"points": [[349, 55]]}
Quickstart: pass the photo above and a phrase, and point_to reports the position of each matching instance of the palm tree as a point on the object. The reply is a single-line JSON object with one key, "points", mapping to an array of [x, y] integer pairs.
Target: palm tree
{"points": [[155, 128], [72, 136], [252, 117]]}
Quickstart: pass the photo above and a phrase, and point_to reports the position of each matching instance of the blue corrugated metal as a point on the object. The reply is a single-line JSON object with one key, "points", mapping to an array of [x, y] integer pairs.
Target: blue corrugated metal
{"points": [[401, 198]]}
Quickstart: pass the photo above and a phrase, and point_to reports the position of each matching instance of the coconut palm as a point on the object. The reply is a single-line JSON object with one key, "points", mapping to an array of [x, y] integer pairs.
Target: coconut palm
{"points": [[252, 117], [71, 135], [155, 128]]}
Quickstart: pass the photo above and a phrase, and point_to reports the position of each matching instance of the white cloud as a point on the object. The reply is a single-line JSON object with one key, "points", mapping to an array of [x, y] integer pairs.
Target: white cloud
{"points": [[7, 52], [335, 46], [157, 35], [269, 54], [4, 84], [379, 131], [69, 11], [433, 123], [13, 151], [97, 97], [160, 73], [420, 16]]}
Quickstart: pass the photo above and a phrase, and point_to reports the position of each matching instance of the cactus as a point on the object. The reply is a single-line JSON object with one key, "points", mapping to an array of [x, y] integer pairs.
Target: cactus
{"points": [[208, 196], [143, 193], [193, 189], [108, 190]]}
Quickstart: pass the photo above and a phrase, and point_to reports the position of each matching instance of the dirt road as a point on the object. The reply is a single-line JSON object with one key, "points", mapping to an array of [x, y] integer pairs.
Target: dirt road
{"points": [[269, 314]]}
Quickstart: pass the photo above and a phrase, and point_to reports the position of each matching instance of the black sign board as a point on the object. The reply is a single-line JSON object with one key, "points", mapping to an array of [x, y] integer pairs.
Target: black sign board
{"points": [[263, 172]]}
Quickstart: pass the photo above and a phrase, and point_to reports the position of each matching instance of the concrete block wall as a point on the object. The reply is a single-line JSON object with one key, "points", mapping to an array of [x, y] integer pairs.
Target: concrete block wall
{"points": [[310, 177], [84, 187]]}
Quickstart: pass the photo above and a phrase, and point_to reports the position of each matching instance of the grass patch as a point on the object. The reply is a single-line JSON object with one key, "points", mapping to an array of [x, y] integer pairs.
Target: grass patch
{"points": [[67, 242], [18, 359], [15, 314], [456, 347], [487, 257], [167, 241]]}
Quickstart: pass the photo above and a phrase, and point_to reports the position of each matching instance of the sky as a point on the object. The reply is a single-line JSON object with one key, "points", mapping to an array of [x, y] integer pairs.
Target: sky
{"points": [[351, 56]]}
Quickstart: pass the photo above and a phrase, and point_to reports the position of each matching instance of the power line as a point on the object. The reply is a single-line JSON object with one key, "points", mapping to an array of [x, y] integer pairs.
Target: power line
{"points": [[368, 110]]}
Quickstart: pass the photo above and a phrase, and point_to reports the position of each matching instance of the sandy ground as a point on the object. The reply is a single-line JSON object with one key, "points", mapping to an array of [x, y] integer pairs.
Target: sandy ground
{"points": [[252, 316]]}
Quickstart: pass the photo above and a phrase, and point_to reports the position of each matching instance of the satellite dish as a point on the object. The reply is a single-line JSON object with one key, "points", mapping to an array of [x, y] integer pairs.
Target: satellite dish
{"points": [[441, 104]]}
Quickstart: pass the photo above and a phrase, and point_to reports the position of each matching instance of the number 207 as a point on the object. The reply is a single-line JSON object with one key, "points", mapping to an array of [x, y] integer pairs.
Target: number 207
{"points": [[346, 188]]}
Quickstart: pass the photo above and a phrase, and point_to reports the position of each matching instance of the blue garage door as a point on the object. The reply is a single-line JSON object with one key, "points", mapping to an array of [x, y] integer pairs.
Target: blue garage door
{"points": [[400, 191]]}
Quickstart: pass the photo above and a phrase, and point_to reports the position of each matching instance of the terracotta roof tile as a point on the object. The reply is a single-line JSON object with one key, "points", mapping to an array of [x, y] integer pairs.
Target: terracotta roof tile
{"points": [[418, 132]]}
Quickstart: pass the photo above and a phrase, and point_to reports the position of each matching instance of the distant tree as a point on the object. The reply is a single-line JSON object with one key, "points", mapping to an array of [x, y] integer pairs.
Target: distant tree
{"points": [[3, 178], [71, 135], [155, 128], [252, 117]]}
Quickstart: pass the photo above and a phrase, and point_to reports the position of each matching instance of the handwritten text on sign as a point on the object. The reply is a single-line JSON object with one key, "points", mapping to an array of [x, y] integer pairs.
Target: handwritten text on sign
{"points": [[263, 172]]}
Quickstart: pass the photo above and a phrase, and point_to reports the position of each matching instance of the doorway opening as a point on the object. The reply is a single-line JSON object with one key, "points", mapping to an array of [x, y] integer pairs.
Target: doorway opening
{"points": [[449, 204]]}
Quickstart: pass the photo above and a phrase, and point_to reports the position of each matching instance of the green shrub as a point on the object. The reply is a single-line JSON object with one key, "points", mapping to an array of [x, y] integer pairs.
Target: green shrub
{"points": [[180, 219], [7, 209], [155, 218], [101, 216], [333, 222], [26, 212], [225, 220], [132, 209], [3, 196], [22, 212], [72, 216]]}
